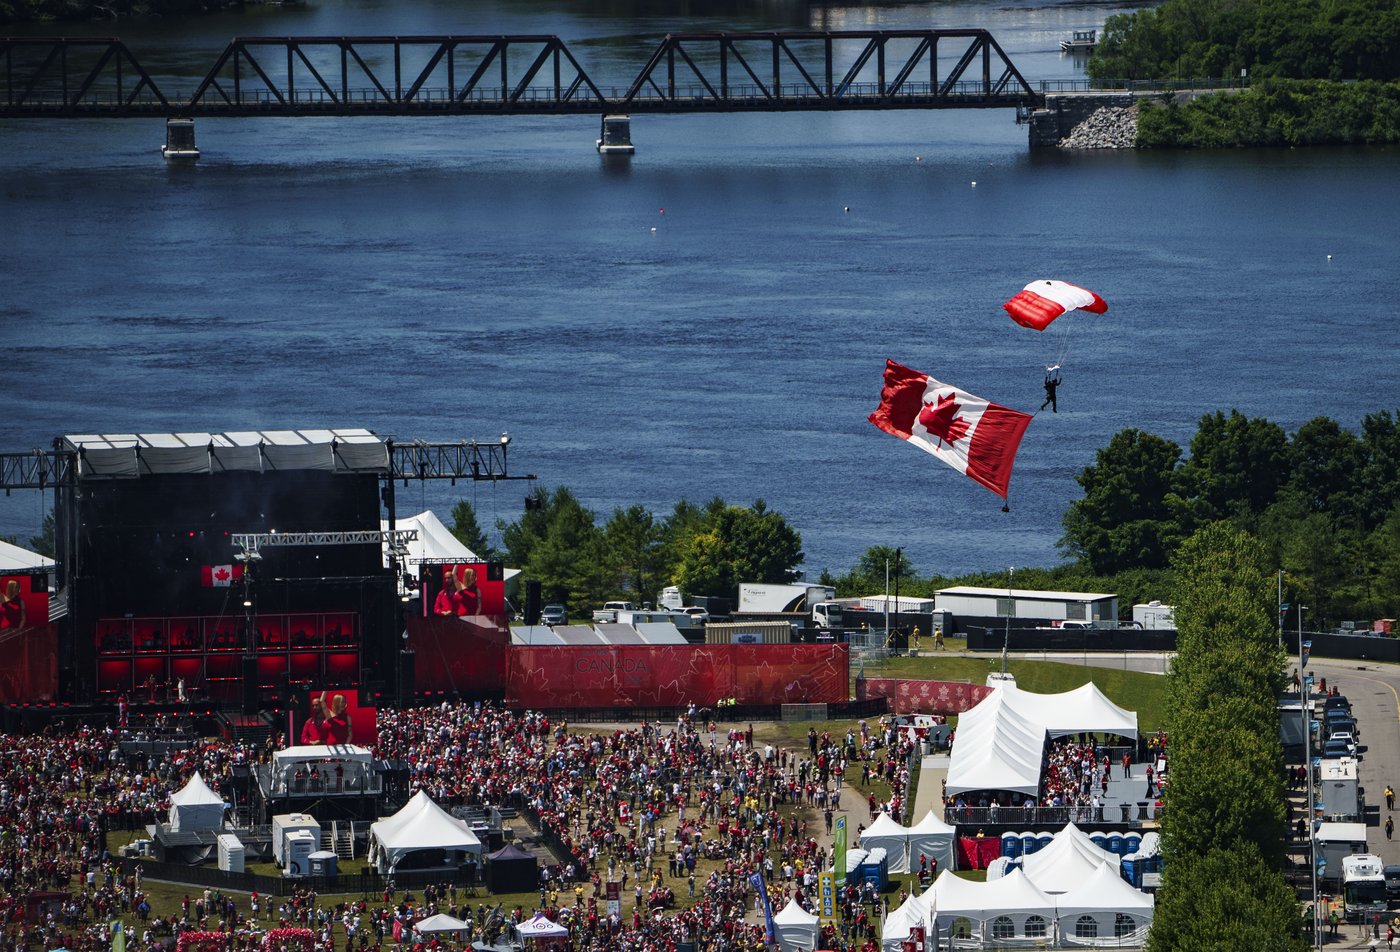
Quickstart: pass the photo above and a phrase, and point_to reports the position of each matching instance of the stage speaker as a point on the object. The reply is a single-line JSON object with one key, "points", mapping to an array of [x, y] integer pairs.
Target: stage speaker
{"points": [[532, 602], [248, 665], [495, 571], [406, 676]]}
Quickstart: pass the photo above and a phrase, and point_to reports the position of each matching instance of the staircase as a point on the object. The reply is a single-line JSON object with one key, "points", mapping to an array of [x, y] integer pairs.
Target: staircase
{"points": [[339, 839]]}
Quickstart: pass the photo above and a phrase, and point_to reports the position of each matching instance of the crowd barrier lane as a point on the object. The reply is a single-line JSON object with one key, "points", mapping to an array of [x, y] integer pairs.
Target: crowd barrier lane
{"points": [[368, 884]]}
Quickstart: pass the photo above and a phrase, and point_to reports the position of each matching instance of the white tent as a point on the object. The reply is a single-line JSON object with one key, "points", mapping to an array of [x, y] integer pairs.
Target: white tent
{"points": [[439, 923], [1000, 741], [898, 923], [15, 559], [540, 928], [796, 928], [196, 807], [421, 826], [1070, 858], [1009, 908], [1102, 906], [888, 835], [932, 838], [997, 748], [435, 541]]}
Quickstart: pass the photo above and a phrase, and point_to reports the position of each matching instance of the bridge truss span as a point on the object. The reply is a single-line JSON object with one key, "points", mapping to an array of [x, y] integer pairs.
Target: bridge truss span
{"points": [[485, 75]]}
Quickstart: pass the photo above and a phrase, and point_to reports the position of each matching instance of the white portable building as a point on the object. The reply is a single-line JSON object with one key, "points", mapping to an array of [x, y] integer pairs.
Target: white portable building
{"points": [[1340, 795], [230, 853], [964, 600], [1336, 841], [284, 825], [296, 853]]}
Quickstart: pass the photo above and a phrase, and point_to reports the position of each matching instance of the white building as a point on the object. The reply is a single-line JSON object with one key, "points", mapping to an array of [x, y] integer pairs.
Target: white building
{"points": [[970, 601]]}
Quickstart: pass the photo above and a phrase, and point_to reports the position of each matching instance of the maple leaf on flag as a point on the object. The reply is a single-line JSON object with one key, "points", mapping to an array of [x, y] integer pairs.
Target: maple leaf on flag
{"points": [[222, 575], [941, 419]]}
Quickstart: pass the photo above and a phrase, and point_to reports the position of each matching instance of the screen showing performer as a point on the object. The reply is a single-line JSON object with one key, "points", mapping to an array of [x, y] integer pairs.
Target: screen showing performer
{"points": [[337, 718], [24, 601], [467, 590]]}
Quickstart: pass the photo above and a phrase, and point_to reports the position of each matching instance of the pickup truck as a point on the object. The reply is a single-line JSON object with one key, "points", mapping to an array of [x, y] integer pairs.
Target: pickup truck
{"points": [[608, 613]]}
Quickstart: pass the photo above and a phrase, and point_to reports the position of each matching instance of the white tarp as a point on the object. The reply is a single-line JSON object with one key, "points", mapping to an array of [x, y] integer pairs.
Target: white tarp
{"points": [[439, 923], [796, 928], [420, 825], [196, 807], [1000, 740], [1070, 858], [15, 559]]}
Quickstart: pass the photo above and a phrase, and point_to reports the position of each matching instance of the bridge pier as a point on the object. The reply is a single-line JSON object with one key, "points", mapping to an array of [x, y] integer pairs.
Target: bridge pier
{"points": [[615, 137], [179, 141], [1064, 111]]}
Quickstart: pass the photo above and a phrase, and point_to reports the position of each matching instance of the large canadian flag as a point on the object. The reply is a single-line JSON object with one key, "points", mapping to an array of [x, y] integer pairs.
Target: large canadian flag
{"points": [[219, 576], [974, 436]]}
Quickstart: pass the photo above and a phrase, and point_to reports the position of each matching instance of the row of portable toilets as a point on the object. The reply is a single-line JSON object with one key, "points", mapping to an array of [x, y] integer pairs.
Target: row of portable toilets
{"points": [[1138, 853]]}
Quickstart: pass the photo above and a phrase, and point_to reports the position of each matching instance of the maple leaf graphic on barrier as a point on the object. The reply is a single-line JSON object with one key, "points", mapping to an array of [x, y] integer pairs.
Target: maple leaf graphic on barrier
{"points": [[222, 575], [942, 421]]}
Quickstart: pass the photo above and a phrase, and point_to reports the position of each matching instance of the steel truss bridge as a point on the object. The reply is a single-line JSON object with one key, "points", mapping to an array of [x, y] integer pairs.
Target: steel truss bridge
{"points": [[66, 77]]}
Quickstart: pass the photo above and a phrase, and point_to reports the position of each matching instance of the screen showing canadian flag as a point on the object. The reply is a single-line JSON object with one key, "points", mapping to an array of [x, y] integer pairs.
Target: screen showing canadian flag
{"points": [[219, 576]]}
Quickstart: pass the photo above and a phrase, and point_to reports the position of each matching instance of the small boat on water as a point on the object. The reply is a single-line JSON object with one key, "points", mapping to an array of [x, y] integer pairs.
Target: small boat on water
{"points": [[1083, 41]]}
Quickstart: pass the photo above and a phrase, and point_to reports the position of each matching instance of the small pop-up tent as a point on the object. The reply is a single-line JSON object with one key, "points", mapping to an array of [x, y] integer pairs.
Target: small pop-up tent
{"points": [[440, 923], [890, 836], [196, 807], [424, 831], [511, 870], [796, 928], [540, 928], [933, 838]]}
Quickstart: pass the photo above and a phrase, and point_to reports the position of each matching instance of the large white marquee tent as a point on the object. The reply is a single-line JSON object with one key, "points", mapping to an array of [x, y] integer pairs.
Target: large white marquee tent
{"points": [[421, 825], [196, 807], [1000, 741]]}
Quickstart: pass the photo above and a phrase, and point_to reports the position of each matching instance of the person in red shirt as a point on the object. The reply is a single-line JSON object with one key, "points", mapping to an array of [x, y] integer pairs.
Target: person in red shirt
{"points": [[12, 613], [338, 728], [315, 731]]}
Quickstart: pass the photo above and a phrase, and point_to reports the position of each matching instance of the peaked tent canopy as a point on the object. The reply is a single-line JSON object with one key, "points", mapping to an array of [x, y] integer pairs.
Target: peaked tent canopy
{"points": [[796, 928], [932, 838], [953, 897], [439, 923], [510, 870], [435, 541], [196, 807], [890, 836], [421, 827], [1104, 891], [540, 928], [15, 559], [1070, 859], [898, 923]]}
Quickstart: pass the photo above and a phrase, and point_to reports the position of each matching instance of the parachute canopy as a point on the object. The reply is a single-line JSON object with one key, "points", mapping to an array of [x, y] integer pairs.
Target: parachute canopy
{"points": [[1043, 301]]}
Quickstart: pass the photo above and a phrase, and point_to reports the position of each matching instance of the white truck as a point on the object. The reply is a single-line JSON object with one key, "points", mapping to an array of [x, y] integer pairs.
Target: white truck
{"points": [[1363, 888], [771, 600], [608, 613], [1154, 616]]}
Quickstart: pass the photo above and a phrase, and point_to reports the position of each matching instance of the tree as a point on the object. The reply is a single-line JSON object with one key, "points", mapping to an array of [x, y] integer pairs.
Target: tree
{"points": [[1236, 467], [1228, 898], [465, 529], [636, 545], [44, 542], [1326, 466], [739, 545], [1125, 519]]}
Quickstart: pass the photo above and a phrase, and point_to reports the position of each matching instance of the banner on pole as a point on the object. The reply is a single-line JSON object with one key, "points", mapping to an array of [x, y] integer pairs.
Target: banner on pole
{"points": [[826, 884], [839, 851]]}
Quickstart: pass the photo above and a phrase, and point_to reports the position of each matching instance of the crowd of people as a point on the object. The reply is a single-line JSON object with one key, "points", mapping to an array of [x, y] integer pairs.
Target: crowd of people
{"points": [[681, 815]]}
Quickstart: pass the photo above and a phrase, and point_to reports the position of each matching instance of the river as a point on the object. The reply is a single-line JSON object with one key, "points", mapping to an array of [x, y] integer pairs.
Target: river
{"points": [[445, 278]]}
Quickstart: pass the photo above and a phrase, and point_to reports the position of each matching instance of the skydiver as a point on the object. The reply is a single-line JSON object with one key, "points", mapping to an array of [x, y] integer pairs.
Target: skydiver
{"points": [[1052, 381]]}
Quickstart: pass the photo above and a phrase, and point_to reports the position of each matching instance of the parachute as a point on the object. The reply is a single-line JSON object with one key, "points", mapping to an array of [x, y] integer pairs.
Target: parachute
{"points": [[1043, 301]]}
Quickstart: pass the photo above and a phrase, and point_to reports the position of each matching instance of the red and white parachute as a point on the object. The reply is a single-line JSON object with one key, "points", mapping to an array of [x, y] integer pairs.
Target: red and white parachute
{"points": [[1043, 301]]}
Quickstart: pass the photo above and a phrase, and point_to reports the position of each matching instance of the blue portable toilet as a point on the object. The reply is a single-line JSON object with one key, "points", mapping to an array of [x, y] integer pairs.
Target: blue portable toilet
{"points": [[1099, 839], [1043, 840], [1029, 844], [1011, 845], [1132, 842], [1117, 845]]}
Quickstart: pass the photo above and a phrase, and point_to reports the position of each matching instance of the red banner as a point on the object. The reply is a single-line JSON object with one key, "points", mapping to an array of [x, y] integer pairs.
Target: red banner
{"points": [[923, 697], [673, 675], [452, 655]]}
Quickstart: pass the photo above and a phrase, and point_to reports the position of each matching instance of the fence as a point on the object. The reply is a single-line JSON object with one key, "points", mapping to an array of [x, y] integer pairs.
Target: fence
{"points": [[365, 883]]}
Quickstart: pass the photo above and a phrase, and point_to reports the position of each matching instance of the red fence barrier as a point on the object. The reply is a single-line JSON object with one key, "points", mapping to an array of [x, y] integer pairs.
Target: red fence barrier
{"points": [[673, 675], [923, 697]]}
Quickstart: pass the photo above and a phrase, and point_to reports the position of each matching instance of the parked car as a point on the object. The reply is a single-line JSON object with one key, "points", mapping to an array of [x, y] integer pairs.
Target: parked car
{"points": [[1392, 882], [1342, 724], [1341, 745], [1336, 702], [554, 615], [697, 614]]}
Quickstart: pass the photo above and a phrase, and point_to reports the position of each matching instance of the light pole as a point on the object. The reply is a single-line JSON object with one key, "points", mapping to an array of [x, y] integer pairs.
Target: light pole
{"points": [[1305, 703]]}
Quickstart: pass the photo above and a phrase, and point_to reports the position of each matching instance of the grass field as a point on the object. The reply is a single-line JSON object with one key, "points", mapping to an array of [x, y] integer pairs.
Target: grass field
{"points": [[1134, 690]]}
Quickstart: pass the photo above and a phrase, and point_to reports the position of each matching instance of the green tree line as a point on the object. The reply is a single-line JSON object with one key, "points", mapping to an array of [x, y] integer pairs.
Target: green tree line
{"points": [[1293, 39], [1277, 112], [1324, 503], [1223, 828]]}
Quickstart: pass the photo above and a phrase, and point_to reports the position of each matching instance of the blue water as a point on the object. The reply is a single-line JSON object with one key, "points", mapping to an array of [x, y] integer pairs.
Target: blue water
{"points": [[462, 277]]}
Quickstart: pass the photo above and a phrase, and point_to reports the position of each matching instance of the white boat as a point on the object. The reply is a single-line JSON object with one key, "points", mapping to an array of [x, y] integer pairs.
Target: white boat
{"points": [[1083, 41], [179, 141]]}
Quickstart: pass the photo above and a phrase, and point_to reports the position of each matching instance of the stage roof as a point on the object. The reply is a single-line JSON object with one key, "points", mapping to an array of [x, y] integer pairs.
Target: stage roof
{"points": [[350, 450]]}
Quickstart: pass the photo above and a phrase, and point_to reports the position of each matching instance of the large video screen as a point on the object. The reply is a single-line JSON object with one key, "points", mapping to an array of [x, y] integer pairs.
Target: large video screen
{"points": [[24, 601], [463, 590]]}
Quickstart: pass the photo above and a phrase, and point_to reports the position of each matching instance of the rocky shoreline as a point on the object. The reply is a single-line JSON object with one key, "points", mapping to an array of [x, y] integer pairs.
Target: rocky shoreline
{"points": [[1109, 127]]}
